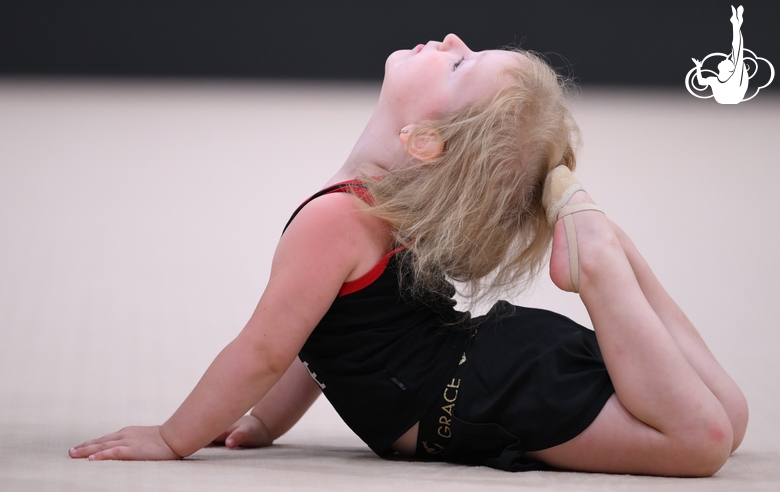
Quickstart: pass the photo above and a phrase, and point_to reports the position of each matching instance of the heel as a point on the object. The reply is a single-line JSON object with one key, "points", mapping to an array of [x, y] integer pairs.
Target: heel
{"points": [[559, 187]]}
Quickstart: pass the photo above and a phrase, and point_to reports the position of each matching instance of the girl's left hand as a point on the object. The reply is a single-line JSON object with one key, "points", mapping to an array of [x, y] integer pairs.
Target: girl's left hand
{"points": [[130, 443], [248, 432]]}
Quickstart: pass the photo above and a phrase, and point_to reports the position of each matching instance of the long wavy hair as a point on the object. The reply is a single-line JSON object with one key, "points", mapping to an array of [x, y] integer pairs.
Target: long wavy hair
{"points": [[474, 215]]}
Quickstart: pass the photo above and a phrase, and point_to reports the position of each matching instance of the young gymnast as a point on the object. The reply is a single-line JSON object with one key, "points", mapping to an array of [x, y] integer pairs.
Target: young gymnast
{"points": [[462, 173]]}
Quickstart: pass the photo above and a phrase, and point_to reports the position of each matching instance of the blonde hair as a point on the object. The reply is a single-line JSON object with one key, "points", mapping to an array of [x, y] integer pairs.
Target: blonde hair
{"points": [[474, 214]]}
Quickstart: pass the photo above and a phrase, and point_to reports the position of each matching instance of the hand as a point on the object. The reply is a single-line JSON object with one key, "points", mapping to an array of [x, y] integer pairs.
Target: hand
{"points": [[247, 432], [130, 443], [697, 62]]}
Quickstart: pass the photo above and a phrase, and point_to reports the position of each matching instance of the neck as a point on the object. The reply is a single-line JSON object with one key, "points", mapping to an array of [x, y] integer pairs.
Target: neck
{"points": [[378, 148]]}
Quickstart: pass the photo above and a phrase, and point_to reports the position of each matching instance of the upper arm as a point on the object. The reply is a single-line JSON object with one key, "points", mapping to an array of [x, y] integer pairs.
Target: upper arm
{"points": [[317, 253]]}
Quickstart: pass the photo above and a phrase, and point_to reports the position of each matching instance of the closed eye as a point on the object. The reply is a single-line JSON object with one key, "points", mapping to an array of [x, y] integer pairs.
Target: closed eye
{"points": [[457, 63]]}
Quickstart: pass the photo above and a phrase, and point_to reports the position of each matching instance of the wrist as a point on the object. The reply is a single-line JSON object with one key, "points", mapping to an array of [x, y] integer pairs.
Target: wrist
{"points": [[265, 438], [168, 440]]}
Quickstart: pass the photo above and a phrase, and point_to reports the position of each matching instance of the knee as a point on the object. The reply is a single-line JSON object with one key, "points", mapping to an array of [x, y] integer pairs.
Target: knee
{"points": [[708, 462], [738, 414], [706, 451]]}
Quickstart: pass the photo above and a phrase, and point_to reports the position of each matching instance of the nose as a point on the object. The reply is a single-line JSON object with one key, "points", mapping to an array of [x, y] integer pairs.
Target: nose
{"points": [[452, 42]]}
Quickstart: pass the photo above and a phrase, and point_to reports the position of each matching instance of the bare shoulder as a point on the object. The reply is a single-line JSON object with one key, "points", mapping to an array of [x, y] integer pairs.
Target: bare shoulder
{"points": [[342, 210], [337, 227], [337, 216], [328, 243]]}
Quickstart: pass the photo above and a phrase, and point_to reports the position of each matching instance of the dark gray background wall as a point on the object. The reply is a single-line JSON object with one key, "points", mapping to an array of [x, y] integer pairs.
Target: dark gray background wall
{"points": [[603, 42]]}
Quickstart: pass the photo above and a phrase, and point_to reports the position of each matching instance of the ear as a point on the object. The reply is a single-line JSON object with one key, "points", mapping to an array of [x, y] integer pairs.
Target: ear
{"points": [[423, 146]]}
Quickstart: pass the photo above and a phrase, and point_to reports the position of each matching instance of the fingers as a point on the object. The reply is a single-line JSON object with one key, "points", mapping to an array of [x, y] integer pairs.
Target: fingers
{"points": [[131, 443], [236, 438], [244, 432], [242, 436], [220, 439], [93, 448], [249, 433], [95, 445], [97, 452], [116, 453], [114, 436]]}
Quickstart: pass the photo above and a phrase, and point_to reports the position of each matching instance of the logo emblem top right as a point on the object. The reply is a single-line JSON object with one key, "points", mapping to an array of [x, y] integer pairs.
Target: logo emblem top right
{"points": [[729, 84]]}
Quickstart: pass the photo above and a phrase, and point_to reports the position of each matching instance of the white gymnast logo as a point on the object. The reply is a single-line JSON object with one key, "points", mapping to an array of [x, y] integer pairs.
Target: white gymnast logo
{"points": [[735, 70]]}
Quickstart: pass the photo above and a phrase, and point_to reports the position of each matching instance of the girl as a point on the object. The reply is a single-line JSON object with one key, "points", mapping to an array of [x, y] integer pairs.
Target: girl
{"points": [[462, 172]]}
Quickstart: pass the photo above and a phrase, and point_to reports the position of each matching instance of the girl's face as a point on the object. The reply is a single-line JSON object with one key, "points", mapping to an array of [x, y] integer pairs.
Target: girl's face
{"points": [[442, 77]]}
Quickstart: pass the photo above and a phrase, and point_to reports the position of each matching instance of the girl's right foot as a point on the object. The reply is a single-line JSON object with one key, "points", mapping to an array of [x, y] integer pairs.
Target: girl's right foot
{"points": [[561, 264], [563, 197]]}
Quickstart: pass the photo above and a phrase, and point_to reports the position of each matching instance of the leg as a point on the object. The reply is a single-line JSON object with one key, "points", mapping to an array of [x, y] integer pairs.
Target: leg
{"points": [[618, 442], [688, 339], [664, 419]]}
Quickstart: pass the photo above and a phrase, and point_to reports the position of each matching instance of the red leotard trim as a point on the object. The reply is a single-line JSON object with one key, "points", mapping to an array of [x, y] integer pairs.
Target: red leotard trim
{"points": [[356, 187], [369, 277]]}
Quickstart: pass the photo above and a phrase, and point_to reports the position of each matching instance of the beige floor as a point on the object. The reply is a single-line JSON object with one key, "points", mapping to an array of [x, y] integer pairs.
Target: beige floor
{"points": [[137, 222]]}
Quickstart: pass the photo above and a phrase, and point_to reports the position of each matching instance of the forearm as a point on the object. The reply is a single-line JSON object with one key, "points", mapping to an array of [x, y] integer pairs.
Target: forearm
{"points": [[236, 379], [286, 403]]}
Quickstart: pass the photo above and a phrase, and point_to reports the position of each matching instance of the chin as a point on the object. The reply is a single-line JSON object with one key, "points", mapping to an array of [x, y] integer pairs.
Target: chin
{"points": [[394, 57]]}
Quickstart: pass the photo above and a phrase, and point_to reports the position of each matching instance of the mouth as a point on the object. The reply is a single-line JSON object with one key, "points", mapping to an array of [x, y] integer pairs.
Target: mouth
{"points": [[418, 48]]}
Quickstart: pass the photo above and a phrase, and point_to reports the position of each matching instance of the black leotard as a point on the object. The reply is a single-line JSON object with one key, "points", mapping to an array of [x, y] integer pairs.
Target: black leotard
{"points": [[488, 388], [381, 357]]}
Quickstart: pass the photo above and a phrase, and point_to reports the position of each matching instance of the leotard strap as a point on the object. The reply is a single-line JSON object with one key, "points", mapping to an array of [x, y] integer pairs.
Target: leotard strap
{"points": [[353, 186], [357, 188]]}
